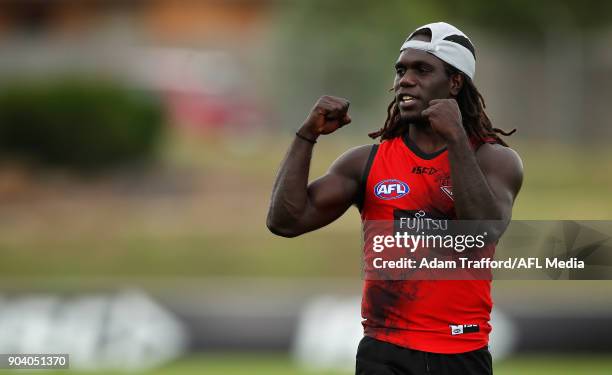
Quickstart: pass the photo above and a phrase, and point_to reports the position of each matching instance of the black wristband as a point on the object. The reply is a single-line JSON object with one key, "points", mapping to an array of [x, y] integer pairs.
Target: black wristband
{"points": [[305, 138]]}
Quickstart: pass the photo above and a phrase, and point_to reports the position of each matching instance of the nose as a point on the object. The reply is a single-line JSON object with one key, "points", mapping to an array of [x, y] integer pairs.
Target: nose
{"points": [[407, 80]]}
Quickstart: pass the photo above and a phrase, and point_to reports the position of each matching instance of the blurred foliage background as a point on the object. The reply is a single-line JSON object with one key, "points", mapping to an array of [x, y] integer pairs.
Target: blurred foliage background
{"points": [[140, 139], [77, 124]]}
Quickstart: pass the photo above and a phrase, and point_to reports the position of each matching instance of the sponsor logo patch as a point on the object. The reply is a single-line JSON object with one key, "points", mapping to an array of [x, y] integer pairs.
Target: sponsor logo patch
{"points": [[424, 170], [391, 189], [460, 329]]}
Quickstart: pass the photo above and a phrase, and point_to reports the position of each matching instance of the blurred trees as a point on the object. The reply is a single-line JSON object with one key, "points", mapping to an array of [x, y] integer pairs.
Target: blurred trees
{"points": [[533, 18], [80, 124]]}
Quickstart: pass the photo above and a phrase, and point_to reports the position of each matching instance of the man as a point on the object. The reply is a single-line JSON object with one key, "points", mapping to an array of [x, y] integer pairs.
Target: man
{"points": [[447, 161]]}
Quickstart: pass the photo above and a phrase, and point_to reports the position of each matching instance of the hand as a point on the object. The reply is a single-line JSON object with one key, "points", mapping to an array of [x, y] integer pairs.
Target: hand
{"points": [[445, 118], [328, 115]]}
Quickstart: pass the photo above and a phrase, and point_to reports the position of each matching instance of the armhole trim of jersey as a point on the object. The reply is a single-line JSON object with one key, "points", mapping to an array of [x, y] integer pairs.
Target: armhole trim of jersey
{"points": [[364, 177]]}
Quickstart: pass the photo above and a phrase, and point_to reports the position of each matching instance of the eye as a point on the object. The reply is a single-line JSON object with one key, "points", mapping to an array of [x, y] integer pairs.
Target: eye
{"points": [[400, 71], [424, 69]]}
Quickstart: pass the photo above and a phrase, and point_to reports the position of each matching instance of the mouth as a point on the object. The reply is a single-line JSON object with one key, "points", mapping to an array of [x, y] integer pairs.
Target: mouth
{"points": [[406, 100]]}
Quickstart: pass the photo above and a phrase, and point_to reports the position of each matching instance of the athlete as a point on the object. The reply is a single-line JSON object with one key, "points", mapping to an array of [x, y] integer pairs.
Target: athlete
{"points": [[439, 149]]}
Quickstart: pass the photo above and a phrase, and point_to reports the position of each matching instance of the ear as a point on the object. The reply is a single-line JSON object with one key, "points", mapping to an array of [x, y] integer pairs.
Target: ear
{"points": [[455, 83]]}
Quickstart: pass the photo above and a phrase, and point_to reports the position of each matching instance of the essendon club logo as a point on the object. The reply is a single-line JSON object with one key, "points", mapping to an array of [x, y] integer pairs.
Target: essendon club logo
{"points": [[448, 190], [391, 189]]}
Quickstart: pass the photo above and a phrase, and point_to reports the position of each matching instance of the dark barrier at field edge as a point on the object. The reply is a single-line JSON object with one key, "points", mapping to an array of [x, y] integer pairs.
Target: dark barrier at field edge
{"points": [[425, 248]]}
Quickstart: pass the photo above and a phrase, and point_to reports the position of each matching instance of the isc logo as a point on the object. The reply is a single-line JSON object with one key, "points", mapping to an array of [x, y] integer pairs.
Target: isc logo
{"points": [[391, 189]]}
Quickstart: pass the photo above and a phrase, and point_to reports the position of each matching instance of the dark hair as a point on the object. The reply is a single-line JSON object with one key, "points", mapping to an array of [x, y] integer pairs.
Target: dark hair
{"points": [[471, 104]]}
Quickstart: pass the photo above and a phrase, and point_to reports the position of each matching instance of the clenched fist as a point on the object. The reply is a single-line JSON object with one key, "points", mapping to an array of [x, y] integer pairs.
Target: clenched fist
{"points": [[445, 118], [328, 115]]}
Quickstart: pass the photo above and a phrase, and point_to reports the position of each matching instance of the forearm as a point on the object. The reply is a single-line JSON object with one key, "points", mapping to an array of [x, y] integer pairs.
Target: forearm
{"points": [[290, 192], [291, 212], [472, 195]]}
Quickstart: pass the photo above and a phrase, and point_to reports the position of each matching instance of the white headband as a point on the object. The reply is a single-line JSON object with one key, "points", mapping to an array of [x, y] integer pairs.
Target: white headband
{"points": [[446, 50]]}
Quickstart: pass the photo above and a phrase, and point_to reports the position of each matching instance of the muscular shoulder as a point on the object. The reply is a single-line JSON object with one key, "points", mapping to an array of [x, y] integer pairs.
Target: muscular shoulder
{"points": [[502, 161], [352, 163], [496, 155]]}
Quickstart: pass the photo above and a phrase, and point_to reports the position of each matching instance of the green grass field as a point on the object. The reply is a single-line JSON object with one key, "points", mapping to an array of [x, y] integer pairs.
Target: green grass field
{"points": [[270, 364]]}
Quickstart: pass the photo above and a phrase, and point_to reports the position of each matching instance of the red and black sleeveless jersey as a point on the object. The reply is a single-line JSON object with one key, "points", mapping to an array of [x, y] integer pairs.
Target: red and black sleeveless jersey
{"points": [[419, 314]]}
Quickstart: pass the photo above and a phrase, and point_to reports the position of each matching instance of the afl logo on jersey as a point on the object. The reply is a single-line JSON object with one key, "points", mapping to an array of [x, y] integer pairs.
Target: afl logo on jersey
{"points": [[391, 189]]}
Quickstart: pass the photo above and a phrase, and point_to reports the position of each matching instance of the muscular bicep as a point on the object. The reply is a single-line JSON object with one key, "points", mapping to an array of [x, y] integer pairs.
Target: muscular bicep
{"points": [[332, 194], [328, 198], [503, 170]]}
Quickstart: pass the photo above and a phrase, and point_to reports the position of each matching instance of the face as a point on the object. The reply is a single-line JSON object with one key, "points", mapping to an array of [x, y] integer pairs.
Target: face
{"points": [[419, 78]]}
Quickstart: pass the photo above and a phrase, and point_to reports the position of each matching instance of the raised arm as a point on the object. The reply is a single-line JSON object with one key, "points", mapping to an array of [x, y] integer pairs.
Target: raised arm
{"points": [[497, 176], [485, 183], [297, 207]]}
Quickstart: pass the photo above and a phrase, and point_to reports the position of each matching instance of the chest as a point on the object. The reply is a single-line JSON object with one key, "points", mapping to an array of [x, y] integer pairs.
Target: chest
{"points": [[400, 180]]}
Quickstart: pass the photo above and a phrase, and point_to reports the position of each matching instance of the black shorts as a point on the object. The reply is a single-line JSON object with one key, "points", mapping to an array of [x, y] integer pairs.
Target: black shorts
{"points": [[376, 357]]}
